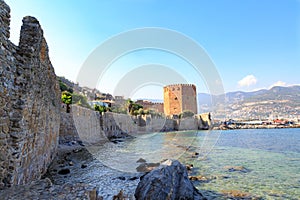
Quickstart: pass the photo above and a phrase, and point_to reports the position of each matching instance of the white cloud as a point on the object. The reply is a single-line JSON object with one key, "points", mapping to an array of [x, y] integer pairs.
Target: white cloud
{"points": [[247, 81], [279, 83]]}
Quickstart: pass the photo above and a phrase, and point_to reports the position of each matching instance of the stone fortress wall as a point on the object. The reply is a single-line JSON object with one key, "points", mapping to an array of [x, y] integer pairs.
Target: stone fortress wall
{"points": [[29, 103], [92, 127], [179, 98]]}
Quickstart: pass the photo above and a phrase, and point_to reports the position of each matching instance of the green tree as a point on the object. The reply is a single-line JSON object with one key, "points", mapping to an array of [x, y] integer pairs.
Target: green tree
{"points": [[141, 111], [66, 98], [129, 105], [80, 100], [100, 109], [135, 112], [69, 98], [135, 108], [64, 87]]}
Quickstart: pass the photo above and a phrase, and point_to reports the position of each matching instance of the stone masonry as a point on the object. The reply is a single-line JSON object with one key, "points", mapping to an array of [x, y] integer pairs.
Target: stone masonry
{"points": [[179, 98], [29, 103]]}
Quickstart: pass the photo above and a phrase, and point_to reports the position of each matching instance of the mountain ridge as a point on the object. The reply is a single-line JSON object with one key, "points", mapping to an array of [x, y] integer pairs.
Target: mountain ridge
{"points": [[276, 102]]}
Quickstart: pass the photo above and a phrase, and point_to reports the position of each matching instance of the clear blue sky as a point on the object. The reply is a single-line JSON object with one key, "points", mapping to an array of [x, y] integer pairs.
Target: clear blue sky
{"points": [[254, 44]]}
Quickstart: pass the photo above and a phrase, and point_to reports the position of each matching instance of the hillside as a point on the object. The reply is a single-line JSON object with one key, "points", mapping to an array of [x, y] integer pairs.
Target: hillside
{"points": [[277, 102]]}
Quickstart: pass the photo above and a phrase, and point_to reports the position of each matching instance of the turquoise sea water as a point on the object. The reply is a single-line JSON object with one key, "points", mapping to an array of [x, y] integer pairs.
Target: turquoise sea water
{"points": [[270, 157]]}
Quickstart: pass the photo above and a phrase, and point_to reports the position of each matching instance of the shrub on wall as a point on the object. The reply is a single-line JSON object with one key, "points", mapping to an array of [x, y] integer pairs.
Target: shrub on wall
{"points": [[186, 114]]}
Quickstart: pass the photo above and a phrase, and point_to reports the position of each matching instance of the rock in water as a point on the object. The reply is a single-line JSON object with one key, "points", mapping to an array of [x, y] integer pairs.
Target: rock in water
{"points": [[147, 167], [169, 181], [141, 160]]}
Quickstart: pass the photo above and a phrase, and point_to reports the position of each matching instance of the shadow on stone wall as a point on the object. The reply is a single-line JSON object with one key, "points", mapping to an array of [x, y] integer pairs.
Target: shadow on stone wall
{"points": [[91, 127], [29, 103]]}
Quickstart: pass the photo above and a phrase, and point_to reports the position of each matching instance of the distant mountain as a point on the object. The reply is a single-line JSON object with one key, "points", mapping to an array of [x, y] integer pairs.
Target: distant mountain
{"points": [[277, 102]]}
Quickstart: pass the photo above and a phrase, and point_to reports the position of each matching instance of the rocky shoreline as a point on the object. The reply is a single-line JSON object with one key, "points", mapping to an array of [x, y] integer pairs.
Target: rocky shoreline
{"points": [[75, 174]]}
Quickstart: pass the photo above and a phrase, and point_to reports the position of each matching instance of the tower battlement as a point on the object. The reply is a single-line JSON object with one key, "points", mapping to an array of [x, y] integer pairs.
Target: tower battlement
{"points": [[181, 85]]}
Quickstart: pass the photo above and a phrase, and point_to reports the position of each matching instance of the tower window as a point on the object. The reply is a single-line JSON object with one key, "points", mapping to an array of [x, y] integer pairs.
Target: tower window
{"points": [[176, 98]]}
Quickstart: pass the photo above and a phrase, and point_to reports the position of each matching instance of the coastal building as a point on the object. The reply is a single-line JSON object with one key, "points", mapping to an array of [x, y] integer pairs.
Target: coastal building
{"points": [[99, 103], [119, 100], [179, 98]]}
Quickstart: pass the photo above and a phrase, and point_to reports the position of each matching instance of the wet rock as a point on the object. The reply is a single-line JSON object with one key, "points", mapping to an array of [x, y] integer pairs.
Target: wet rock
{"points": [[83, 166], [237, 169], [119, 196], [189, 167], [77, 150], [141, 160], [62, 165], [64, 171], [48, 182], [195, 155], [133, 178], [67, 158], [147, 167], [122, 178], [116, 141], [80, 143], [93, 195], [222, 177], [204, 179], [71, 143], [60, 162], [169, 181]]}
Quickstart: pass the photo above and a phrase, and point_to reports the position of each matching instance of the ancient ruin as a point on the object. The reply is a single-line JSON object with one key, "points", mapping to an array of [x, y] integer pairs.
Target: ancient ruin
{"points": [[29, 103], [179, 98]]}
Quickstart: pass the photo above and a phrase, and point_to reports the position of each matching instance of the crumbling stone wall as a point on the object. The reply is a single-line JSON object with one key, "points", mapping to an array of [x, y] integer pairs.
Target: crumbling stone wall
{"points": [[204, 121], [92, 127], [87, 125], [29, 103]]}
